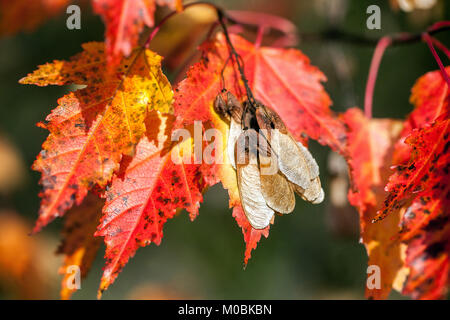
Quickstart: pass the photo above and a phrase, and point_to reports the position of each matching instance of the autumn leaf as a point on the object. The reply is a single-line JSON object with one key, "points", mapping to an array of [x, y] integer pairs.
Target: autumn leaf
{"points": [[79, 246], [124, 20], [144, 194], [411, 179], [282, 79], [26, 15], [369, 154], [91, 128], [251, 235], [422, 186], [419, 188]]}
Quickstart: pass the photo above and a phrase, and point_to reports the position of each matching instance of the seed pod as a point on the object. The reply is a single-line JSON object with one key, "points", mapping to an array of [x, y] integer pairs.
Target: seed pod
{"points": [[270, 164]]}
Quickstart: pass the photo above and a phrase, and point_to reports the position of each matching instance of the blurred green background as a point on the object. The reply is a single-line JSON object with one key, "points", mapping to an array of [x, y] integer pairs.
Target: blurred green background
{"points": [[313, 253]]}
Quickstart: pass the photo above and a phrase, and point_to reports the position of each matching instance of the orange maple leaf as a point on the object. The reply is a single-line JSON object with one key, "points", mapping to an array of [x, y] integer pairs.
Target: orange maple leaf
{"points": [[369, 154], [91, 128]]}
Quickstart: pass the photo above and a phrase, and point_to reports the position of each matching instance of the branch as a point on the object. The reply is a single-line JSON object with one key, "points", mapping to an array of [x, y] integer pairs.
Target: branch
{"points": [[343, 36]]}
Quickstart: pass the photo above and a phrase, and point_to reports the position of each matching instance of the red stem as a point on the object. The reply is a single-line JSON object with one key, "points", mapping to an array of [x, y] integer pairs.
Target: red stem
{"points": [[441, 46], [259, 36], [374, 66], [429, 41], [439, 25]]}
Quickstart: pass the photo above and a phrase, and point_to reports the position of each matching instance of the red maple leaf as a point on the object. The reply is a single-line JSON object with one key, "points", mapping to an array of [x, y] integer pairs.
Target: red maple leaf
{"points": [[282, 79], [431, 98], [425, 183], [419, 188]]}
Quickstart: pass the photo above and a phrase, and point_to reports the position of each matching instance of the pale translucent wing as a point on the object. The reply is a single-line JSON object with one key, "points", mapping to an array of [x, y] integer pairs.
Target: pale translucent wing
{"points": [[255, 207], [292, 160], [276, 189], [235, 131], [320, 196], [313, 194]]}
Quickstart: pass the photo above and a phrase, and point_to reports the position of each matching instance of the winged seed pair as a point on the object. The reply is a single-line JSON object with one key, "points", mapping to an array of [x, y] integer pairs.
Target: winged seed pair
{"points": [[270, 165]]}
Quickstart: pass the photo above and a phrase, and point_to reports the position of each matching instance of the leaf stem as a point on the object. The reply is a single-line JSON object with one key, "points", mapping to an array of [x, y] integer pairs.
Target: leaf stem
{"points": [[259, 36], [429, 42], [373, 71], [403, 38], [441, 46]]}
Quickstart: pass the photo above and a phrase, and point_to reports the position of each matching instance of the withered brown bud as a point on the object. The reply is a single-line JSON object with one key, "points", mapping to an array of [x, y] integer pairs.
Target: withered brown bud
{"points": [[269, 119], [220, 106]]}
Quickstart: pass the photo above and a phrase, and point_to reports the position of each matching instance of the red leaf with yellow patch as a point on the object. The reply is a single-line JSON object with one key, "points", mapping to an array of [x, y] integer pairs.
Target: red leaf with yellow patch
{"points": [[92, 127]]}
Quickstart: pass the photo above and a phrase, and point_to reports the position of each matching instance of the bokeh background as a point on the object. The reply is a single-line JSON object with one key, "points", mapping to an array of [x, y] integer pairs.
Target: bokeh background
{"points": [[313, 253]]}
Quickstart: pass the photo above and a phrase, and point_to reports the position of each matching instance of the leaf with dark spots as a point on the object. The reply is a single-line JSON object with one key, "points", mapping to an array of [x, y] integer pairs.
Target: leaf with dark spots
{"points": [[151, 198], [421, 171], [426, 223], [431, 99]]}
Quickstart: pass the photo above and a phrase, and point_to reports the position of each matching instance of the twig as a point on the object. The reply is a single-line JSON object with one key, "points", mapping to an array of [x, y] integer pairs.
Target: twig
{"points": [[237, 58]]}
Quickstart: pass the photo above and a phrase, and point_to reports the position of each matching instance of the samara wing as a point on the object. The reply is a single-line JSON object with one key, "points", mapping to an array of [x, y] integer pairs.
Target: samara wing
{"points": [[258, 213]]}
